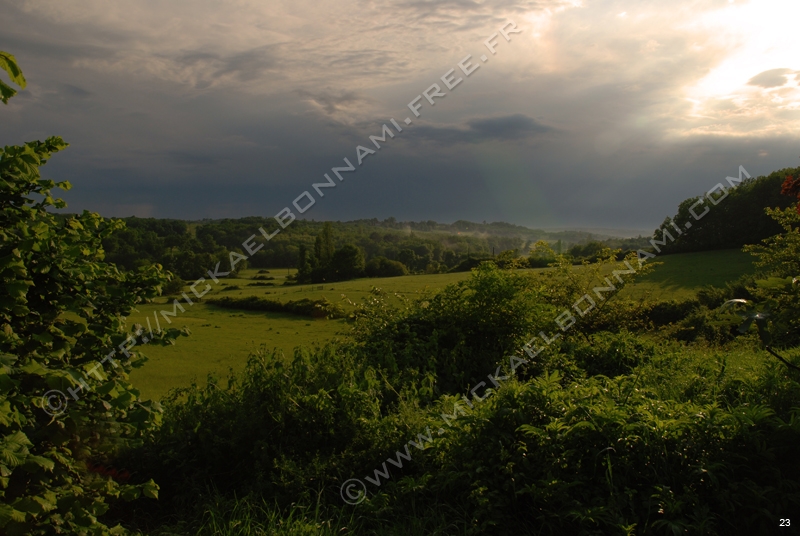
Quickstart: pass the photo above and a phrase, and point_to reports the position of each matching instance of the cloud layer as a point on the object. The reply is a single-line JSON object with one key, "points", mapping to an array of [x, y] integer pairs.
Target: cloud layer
{"points": [[603, 113]]}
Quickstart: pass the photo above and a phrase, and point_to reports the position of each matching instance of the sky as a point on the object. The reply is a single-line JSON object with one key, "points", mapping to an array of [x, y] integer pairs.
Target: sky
{"points": [[593, 113]]}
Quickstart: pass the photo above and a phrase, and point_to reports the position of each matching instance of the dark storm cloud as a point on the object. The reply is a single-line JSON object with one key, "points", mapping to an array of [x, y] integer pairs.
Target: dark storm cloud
{"points": [[506, 128], [509, 127], [250, 64], [193, 159], [209, 68], [585, 118]]}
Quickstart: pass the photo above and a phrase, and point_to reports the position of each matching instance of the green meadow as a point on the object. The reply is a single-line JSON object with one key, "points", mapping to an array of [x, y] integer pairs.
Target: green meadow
{"points": [[222, 339], [681, 275]]}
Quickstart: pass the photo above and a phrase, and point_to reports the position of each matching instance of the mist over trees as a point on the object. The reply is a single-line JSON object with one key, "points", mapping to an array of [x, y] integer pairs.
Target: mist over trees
{"points": [[189, 249]]}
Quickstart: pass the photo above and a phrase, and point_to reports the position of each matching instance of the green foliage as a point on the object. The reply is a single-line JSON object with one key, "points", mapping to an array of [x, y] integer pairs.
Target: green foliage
{"points": [[682, 440], [601, 456], [713, 297], [469, 264], [588, 251], [146, 241], [249, 515], [327, 263], [778, 292], [564, 286], [61, 309], [190, 249], [65, 402], [174, 287], [735, 221], [9, 64], [510, 260], [347, 263], [779, 255], [284, 429], [383, 267], [323, 246], [459, 334], [610, 354]]}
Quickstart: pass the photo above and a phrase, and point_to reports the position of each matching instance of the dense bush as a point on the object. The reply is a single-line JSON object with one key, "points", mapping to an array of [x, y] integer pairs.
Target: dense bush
{"points": [[383, 267], [62, 404], [469, 264], [611, 457], [670, 311], [713, 297], [779, 291], [610, 354], [460, 334], [286, 429], [681, 444], [626, 314], [173, 287], [606, 432]]}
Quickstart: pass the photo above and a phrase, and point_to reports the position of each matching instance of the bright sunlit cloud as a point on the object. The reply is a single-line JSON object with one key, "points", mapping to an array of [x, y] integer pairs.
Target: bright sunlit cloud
{"points": [[761, 37]]}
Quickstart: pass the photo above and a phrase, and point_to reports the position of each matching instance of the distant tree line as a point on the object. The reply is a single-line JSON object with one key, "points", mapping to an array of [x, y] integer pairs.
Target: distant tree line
{"points": [[330, 251], [736, 220]]}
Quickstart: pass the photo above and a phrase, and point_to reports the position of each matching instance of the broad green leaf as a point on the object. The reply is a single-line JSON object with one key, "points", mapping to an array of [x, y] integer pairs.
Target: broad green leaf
{"points": [[35, 368], [9, 64], [8, 513], [131, 493], [6, 92], [150, 489], [29, 505], [41, 461]]}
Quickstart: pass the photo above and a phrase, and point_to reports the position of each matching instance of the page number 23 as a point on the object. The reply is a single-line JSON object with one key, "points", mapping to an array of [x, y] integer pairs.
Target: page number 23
{"points": [[785, 523]]}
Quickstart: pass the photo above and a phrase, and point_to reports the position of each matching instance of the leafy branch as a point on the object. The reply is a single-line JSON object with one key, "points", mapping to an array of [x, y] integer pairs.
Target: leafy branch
{"points": [[9, 64]]}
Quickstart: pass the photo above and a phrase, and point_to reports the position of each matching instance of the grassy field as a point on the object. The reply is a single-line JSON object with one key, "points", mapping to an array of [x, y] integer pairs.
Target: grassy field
{"points": [[222, 338], [682, 275]]}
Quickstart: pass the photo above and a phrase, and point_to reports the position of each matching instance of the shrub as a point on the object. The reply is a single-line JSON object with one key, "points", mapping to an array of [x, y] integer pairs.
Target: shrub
{"points": [[173, 287], [666, 312], [61, 311], [282, 429], [704, 325], [713, 297], [469, 264], [610, 354], [459, 334], [321, 308], [383, 267], [602, 456]]}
